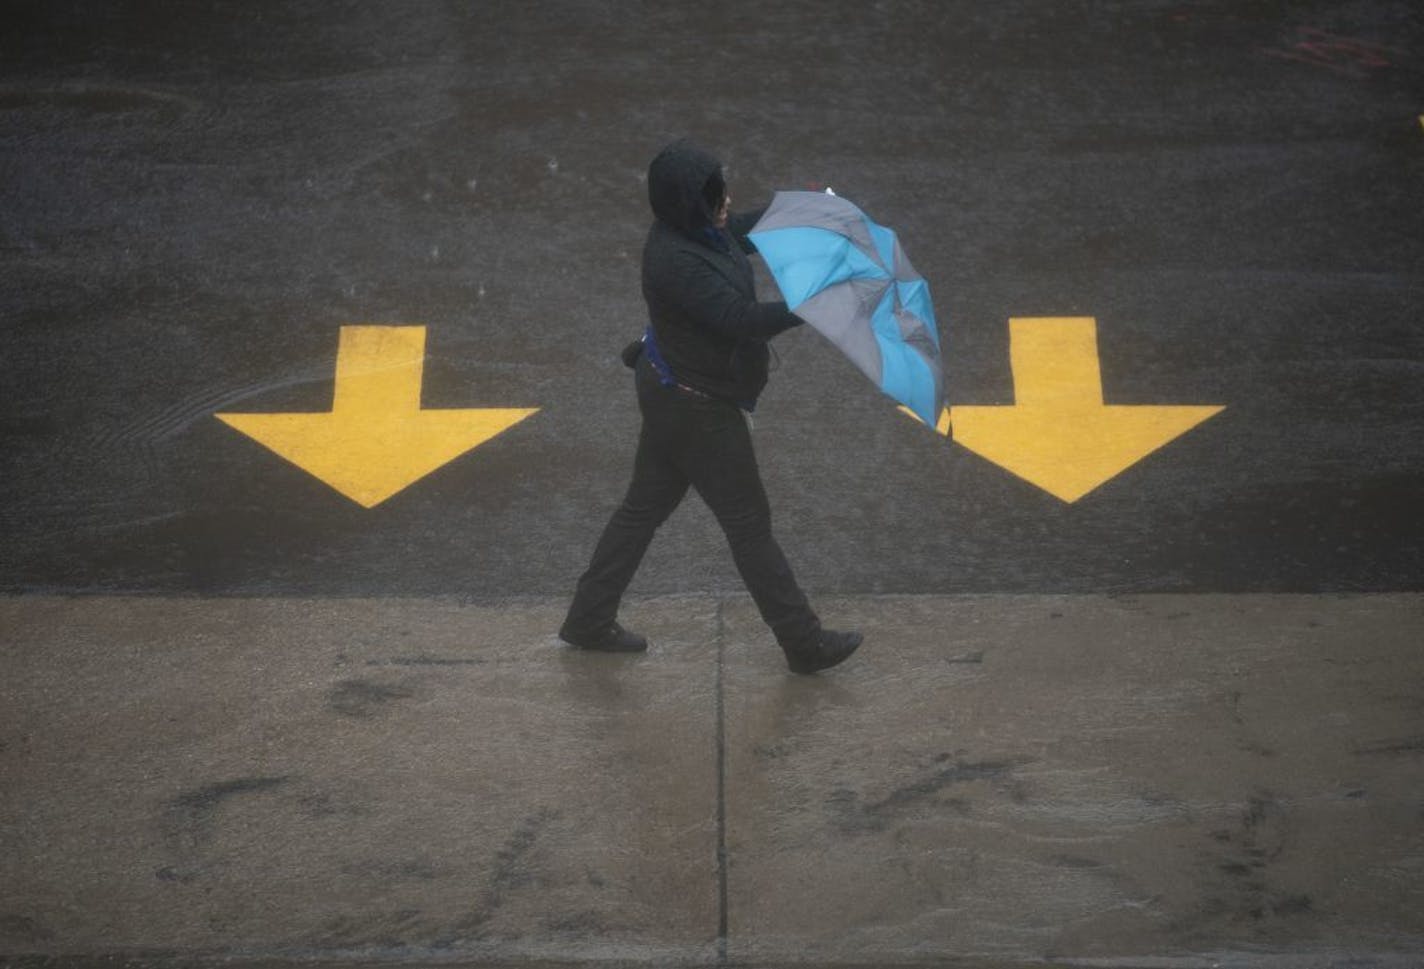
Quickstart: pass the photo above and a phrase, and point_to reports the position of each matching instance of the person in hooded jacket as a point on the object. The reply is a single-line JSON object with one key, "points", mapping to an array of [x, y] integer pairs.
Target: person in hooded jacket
{"points": [[699, 369]]}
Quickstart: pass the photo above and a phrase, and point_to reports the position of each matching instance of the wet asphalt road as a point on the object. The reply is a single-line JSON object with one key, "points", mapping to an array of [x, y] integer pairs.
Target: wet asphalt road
{"points": [[1174, 722], [194, 206]]}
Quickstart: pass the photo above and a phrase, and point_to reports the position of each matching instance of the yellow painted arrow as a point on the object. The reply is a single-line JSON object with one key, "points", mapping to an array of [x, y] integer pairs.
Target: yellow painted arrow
{"points": [[376, 440], [1058, 434]]}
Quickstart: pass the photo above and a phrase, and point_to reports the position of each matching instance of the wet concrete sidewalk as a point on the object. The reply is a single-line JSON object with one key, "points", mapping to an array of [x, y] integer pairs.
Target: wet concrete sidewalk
{"points": [[1148, 781]]}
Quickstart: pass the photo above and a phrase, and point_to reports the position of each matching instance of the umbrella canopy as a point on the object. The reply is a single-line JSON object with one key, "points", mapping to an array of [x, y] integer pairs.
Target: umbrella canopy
{"points": [[848, 277]]}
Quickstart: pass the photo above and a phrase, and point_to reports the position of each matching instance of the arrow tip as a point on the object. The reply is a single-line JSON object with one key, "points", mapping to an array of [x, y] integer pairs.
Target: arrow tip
{"points": [[368, 460]]}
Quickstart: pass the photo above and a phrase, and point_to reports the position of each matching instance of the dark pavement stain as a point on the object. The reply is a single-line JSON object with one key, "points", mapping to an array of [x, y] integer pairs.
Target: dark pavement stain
{"points": [[386, 930], [190, 820], [16, 930], [1399, 746], [203, 801], [1243, 887], [956, 773], [1074, 862], [973, 658], [1245, 743], [578, 924], [93, 100], [176, 875], [1292, 905], [853, 816], [510, 874], [363, 699]]}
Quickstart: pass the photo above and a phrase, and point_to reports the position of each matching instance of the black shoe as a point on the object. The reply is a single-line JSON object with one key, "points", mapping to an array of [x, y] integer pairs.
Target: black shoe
{"points": [[614, 639], [828, 650]]}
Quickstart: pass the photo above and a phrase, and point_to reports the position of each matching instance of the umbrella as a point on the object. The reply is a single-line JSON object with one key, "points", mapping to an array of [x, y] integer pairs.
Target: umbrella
{"points": [[848, 277]]}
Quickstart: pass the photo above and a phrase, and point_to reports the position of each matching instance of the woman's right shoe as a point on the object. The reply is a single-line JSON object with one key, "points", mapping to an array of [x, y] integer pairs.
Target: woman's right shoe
{"points": [[829, 649], [614, 639]]}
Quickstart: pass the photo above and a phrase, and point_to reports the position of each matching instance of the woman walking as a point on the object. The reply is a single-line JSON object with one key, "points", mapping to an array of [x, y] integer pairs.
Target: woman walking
{"points": [[698, 370]]}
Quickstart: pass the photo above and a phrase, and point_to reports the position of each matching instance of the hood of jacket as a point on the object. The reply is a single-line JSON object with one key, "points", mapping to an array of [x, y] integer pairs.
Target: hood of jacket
{"points": [[677, 187]]}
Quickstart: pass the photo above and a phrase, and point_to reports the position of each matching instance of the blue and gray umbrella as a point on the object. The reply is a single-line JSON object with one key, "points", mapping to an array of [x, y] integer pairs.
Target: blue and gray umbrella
{"points": [[848, 277]]}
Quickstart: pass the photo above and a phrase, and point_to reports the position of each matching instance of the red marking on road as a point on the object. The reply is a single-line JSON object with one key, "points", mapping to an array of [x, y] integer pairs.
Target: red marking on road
{"points": [[1348, 56]]}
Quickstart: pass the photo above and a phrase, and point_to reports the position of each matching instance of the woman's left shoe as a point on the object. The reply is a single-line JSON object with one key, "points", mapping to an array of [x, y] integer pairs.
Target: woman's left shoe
{"points": [[829, 649]]}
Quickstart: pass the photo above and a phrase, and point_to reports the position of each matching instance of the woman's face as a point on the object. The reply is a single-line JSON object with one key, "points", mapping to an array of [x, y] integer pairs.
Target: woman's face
{"points": [[719, 218]]}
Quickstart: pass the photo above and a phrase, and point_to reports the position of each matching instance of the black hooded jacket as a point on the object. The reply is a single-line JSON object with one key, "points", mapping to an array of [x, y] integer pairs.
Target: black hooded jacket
{"points": [[698, 283]]}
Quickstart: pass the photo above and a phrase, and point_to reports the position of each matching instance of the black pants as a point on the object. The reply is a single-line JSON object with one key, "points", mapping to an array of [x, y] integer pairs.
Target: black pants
{"points": [[691, 440]]}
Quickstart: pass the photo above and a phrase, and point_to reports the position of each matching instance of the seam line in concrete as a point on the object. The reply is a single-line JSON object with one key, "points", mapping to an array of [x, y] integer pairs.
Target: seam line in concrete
{"points": [[721, 788]]}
